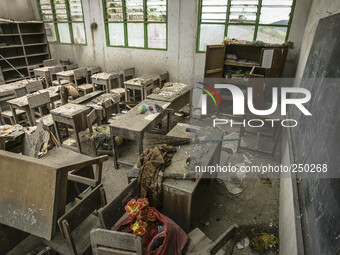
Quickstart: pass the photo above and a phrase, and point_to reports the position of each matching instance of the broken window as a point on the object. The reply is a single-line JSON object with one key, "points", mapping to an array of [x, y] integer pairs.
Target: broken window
{"points": [[64, 21], [262, 20], [136, 23]]}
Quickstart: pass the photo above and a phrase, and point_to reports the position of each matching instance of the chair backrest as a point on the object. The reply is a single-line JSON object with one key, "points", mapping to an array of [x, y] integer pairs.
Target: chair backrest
{"points": [[110, 214], [38, 100], [129, 73], [148, 82], [34, 86], [108, 242], [49, 62], [79, 74], [91, 118], [54, 70], [19, 92], [78, 213], [164, 78]]}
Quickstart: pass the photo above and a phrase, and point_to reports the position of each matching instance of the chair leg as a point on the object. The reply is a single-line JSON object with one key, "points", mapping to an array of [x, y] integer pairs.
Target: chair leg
{"points": [[68, 237]]}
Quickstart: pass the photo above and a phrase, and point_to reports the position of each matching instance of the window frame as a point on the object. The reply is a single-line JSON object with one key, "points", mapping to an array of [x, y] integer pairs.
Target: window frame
{"points": [[125, 23], [226, 23], [69, 22]]}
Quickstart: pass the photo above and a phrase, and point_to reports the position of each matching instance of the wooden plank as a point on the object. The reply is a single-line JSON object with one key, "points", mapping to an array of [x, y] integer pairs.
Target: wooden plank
{"points": [[214, 60]]}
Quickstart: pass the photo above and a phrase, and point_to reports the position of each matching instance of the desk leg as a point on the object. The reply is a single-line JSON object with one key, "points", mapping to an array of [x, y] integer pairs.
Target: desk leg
{"points": [[114, 151], [242, 129], [140, 143], [277, 139], [76, 135], [126, 94], [168, 126], [29, 116], [117, 108], [15, 117], [59, 80], [57, 131]]}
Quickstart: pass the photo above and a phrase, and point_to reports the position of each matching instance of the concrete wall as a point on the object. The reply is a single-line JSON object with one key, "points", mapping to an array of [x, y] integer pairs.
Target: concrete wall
{"points": [[181, 59], [22, 10]]}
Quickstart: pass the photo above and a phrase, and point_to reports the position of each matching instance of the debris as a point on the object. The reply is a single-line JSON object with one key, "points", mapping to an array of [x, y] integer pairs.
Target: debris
{"points": [[243, 243], [231, 146], [266, 180], [35, 140], [142, 109], [246, 159], [234, 185], [264, 241], [205, 223]]}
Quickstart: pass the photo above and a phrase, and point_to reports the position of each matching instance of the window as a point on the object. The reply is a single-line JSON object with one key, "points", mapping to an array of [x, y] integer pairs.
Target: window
{"points": [[64, 20], [136, 23], [262, 20]]}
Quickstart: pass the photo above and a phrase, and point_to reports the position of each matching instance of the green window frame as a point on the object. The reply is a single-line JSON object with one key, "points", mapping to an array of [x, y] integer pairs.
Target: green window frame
{"points": [[64, 21], [252, 20], [138, 24]]}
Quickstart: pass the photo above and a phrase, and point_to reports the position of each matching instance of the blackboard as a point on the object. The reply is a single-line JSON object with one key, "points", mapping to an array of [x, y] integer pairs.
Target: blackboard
{"points": [[317, 140]]}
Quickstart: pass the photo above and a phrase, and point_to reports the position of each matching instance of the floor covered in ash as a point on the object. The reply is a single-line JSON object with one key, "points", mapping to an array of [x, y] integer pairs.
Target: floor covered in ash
{"points": [[252, 203]]}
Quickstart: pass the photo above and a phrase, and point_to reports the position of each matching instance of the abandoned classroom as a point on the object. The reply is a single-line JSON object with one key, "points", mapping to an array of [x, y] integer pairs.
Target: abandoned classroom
{"points": [[169, 127]]}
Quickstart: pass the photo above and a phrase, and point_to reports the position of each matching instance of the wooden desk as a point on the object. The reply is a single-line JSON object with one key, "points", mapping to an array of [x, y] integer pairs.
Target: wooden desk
{"points": [[34, 191], [73, 115], [10, 133], [105, 79], [22, 103], [43, 72], [65, 75], [145, 86], [133, 125]]}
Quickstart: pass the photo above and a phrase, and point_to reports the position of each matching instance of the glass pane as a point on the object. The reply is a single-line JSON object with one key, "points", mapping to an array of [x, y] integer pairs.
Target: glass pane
{"points": [[60, 10], [277, 3], [114, 10], [50, 32], [134, 10], [214, 11], [76, 10], [157, 36], [243, 11], [64, 33], [210, 34], [116, 34], [135, 34], [156, 10], [241, 32], [278, 16], [46, 10], [271, 34], [79, 33]]}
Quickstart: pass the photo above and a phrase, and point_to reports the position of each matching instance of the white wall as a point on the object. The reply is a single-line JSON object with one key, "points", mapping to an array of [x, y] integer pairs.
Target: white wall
{"points": [[21, 10], [181, 59]]}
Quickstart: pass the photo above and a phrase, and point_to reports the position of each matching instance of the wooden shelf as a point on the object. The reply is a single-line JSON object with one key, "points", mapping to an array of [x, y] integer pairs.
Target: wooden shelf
{"points": [[14, 57], [37, 54], [34, 44], [15, 79], [9, 34], [11, 46], [7, 69], [35, 33], [241, 64]]}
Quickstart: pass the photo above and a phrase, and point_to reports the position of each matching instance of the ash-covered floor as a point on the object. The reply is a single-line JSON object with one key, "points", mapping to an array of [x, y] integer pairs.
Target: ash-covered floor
{"points": [[252, 203]]}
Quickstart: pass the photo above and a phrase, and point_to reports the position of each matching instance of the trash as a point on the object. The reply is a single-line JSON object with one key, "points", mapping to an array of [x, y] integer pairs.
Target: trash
{"points": [[205, 223], [246, 159], [264, 241], [266, 180], [142, 109], [243, 243], [231, 146], [34, 141], [234, 186]]}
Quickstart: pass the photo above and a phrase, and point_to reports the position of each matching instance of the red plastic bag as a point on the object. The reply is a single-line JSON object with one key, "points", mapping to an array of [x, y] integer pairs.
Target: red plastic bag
{"points": [[175, 238]]}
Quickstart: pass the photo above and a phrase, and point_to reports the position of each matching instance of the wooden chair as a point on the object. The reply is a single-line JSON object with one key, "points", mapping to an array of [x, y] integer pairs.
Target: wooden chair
{"points": [[80, 74], [37, 102], [53, 71], [49, 62], [108, 242], [19, 92], [31, 70], [6, 114], [34, 86], [164, 78], [79, 218], [129, 73]]}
